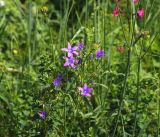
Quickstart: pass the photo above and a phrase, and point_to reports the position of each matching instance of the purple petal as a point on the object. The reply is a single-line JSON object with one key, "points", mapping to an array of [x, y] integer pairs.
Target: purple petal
{"points": [[64, 49], [99, 53], [69, 45], [81, 89], [42, 114], [88, 95], [79, 61], [75, 48], [67, 59], [66, 64], [73, 66], [85, 86], [76, 53], [70, 54], [90, 89], [80, 46], [85, 94], [56, 82], [60, 77]]}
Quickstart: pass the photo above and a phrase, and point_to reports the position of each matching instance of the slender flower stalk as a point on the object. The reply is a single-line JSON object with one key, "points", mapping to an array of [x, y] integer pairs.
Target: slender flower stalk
{"points": [[137, 97], [124, 91]]}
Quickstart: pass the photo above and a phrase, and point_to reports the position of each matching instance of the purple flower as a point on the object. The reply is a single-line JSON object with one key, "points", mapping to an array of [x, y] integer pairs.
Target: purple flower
{"points": [[57, 81], [70, 62], [80, 46], [85, 91], [79, 61], [99, 53], [42, 114], [70, 50]]}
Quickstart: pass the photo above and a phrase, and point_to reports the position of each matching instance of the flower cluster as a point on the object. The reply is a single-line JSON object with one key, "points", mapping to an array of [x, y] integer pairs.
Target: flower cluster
{"points": [[71, 51], [71, 61], [140, 12]]}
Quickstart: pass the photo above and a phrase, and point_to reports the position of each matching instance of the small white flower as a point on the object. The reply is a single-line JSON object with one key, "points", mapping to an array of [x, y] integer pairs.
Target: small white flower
{"points": [[2, 3]]}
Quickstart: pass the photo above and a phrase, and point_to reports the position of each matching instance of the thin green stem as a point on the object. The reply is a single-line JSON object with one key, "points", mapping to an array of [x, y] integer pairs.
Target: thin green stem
{"points": [[150, 45], [64, 116], [124, 91], [137, 97], [158, 102]]}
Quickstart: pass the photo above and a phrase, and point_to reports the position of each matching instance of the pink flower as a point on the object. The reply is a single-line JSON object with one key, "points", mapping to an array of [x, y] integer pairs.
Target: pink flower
{"points": [[115, 11], [135, 1], [140, 13], [120, 49]]}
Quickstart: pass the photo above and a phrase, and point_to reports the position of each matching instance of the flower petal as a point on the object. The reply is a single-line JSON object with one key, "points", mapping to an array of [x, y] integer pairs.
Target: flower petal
{"points": [[70, 54], [88, 95], [81, 89], [73, 66], [90, 90], [85, 94], [66, 64], [64, 49], [85, 86], [75, 48], [69, 45], [76, 53]]}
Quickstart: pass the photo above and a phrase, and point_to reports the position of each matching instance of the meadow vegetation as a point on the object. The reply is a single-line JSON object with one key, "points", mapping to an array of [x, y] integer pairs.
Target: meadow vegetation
{"points": [[79, 68]]}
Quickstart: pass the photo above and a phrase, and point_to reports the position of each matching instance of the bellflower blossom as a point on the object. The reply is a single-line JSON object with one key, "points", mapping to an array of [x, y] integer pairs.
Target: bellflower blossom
{"points": [[70, 62], [85, 91], [42, 114], [79, 61], [99, 53], [57, 81], [80, 46], [70, 50]]}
